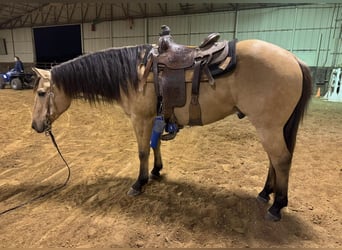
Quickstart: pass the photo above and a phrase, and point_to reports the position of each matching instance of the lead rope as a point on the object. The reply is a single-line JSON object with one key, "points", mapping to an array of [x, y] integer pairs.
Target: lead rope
{"points": [[48, 133]]}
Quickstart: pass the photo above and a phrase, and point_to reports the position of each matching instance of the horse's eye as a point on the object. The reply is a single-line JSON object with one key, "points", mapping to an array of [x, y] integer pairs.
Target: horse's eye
{"points": [[41, 93]]}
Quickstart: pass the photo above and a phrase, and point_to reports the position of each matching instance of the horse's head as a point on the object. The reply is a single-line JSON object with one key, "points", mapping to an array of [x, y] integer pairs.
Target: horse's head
{"points": [[49, 103]]}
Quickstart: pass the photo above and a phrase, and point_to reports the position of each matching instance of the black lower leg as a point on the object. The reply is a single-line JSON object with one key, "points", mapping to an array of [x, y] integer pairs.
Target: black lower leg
{"points": [[264, 195], [280, 201], [138, 185], [158, 164], [156, 170], [143, 173]]}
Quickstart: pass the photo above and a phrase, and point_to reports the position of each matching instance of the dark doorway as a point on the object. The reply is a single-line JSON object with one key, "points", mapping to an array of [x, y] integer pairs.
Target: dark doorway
{"points": [[57, 44]]}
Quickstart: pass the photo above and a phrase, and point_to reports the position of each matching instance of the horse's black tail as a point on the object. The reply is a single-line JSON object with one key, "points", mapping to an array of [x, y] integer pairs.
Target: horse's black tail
{"points": [[291, 127]]}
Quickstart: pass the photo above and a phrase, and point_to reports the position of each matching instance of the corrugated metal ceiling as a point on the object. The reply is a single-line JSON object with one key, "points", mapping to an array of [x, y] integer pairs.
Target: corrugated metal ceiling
{"points": [[30, 14]]}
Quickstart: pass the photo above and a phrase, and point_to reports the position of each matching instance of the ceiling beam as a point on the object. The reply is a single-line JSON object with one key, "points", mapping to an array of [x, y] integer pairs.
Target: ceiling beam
{"points": [[46, 16], [58, 17], [125, 9], [98, 11], [9, 23], [71, 14], [163, 9], [143, 9], [84, 12]]}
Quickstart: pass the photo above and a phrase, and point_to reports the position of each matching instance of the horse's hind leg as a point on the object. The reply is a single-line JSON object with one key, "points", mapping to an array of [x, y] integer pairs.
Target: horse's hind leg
{"points": [[278, 174], [264, 195], [282, 169]]}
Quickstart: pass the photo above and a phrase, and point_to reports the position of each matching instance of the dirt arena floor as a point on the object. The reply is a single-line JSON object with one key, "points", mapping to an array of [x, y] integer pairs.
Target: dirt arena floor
{"points": [[211, 177]]}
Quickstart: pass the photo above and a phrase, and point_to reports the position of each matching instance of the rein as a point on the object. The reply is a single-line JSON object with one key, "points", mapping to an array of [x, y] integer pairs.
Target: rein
{"points": [[48, 132]]}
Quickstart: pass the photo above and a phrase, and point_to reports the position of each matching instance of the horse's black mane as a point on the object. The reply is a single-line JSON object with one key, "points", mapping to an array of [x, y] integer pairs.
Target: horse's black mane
{"points": [[99, 76]]}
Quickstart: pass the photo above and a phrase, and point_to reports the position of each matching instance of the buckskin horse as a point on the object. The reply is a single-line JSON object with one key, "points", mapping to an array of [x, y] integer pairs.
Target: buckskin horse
{"points": [[269, 85]]}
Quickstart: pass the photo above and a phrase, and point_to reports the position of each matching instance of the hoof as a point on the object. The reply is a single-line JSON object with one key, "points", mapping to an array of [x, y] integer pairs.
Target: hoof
{"points": [[263, 199], [271, 217], [133, 192]]}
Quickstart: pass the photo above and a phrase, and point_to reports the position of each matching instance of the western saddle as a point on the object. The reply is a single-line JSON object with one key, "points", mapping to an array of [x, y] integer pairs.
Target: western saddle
{"points": [[170, 64]]}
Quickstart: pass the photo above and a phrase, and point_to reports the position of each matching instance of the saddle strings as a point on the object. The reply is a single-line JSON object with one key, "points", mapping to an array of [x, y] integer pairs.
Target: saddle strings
{"points": [[48, 133]]}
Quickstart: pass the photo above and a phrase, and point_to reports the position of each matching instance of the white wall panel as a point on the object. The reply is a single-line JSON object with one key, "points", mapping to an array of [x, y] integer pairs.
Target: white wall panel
{"points": [[218, 22], [102, 30], [178, 25], [193, 29], [6, 34], [203, 24], [197, 39], [112, 34], [272, 25], [127, 28], [98, 39], [127, 41], [92, 45], [128, 32], [23, 44]]}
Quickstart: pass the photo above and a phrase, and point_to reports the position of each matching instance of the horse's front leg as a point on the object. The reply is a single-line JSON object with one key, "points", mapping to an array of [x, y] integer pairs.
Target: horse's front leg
{"points": [[143, 129], [158, 164]]}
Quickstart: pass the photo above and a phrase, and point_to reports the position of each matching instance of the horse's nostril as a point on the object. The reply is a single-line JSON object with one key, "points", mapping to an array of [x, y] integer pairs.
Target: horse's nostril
{"points": [[36, 127]]}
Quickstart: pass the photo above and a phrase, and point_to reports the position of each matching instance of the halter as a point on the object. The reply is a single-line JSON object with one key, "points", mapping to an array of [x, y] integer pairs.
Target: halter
{"points": [[49, 115]]}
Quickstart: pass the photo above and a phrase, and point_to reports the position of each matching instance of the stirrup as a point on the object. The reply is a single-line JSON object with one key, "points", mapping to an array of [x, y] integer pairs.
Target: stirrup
{"points": [[240, 114], [172, 129], [168, 136]]}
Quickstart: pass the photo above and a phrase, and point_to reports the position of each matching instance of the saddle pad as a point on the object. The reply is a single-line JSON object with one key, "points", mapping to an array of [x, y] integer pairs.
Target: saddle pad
{"points": [[216, 70]]}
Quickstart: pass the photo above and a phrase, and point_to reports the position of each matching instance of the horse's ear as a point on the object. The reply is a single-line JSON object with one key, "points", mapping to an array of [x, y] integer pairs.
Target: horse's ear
{"points": [[42, 73]]}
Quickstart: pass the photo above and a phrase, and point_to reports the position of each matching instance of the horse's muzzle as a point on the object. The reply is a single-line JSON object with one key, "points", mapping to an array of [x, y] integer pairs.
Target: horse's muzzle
{"points": [[40, 127]]}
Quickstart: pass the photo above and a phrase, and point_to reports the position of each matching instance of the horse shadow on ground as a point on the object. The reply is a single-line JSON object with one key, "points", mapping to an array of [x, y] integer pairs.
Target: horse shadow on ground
{"points": [[196, 208]]}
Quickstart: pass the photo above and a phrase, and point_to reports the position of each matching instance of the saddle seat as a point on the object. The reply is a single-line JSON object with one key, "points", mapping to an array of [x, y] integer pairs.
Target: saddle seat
{"points": [[177, 56]]}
